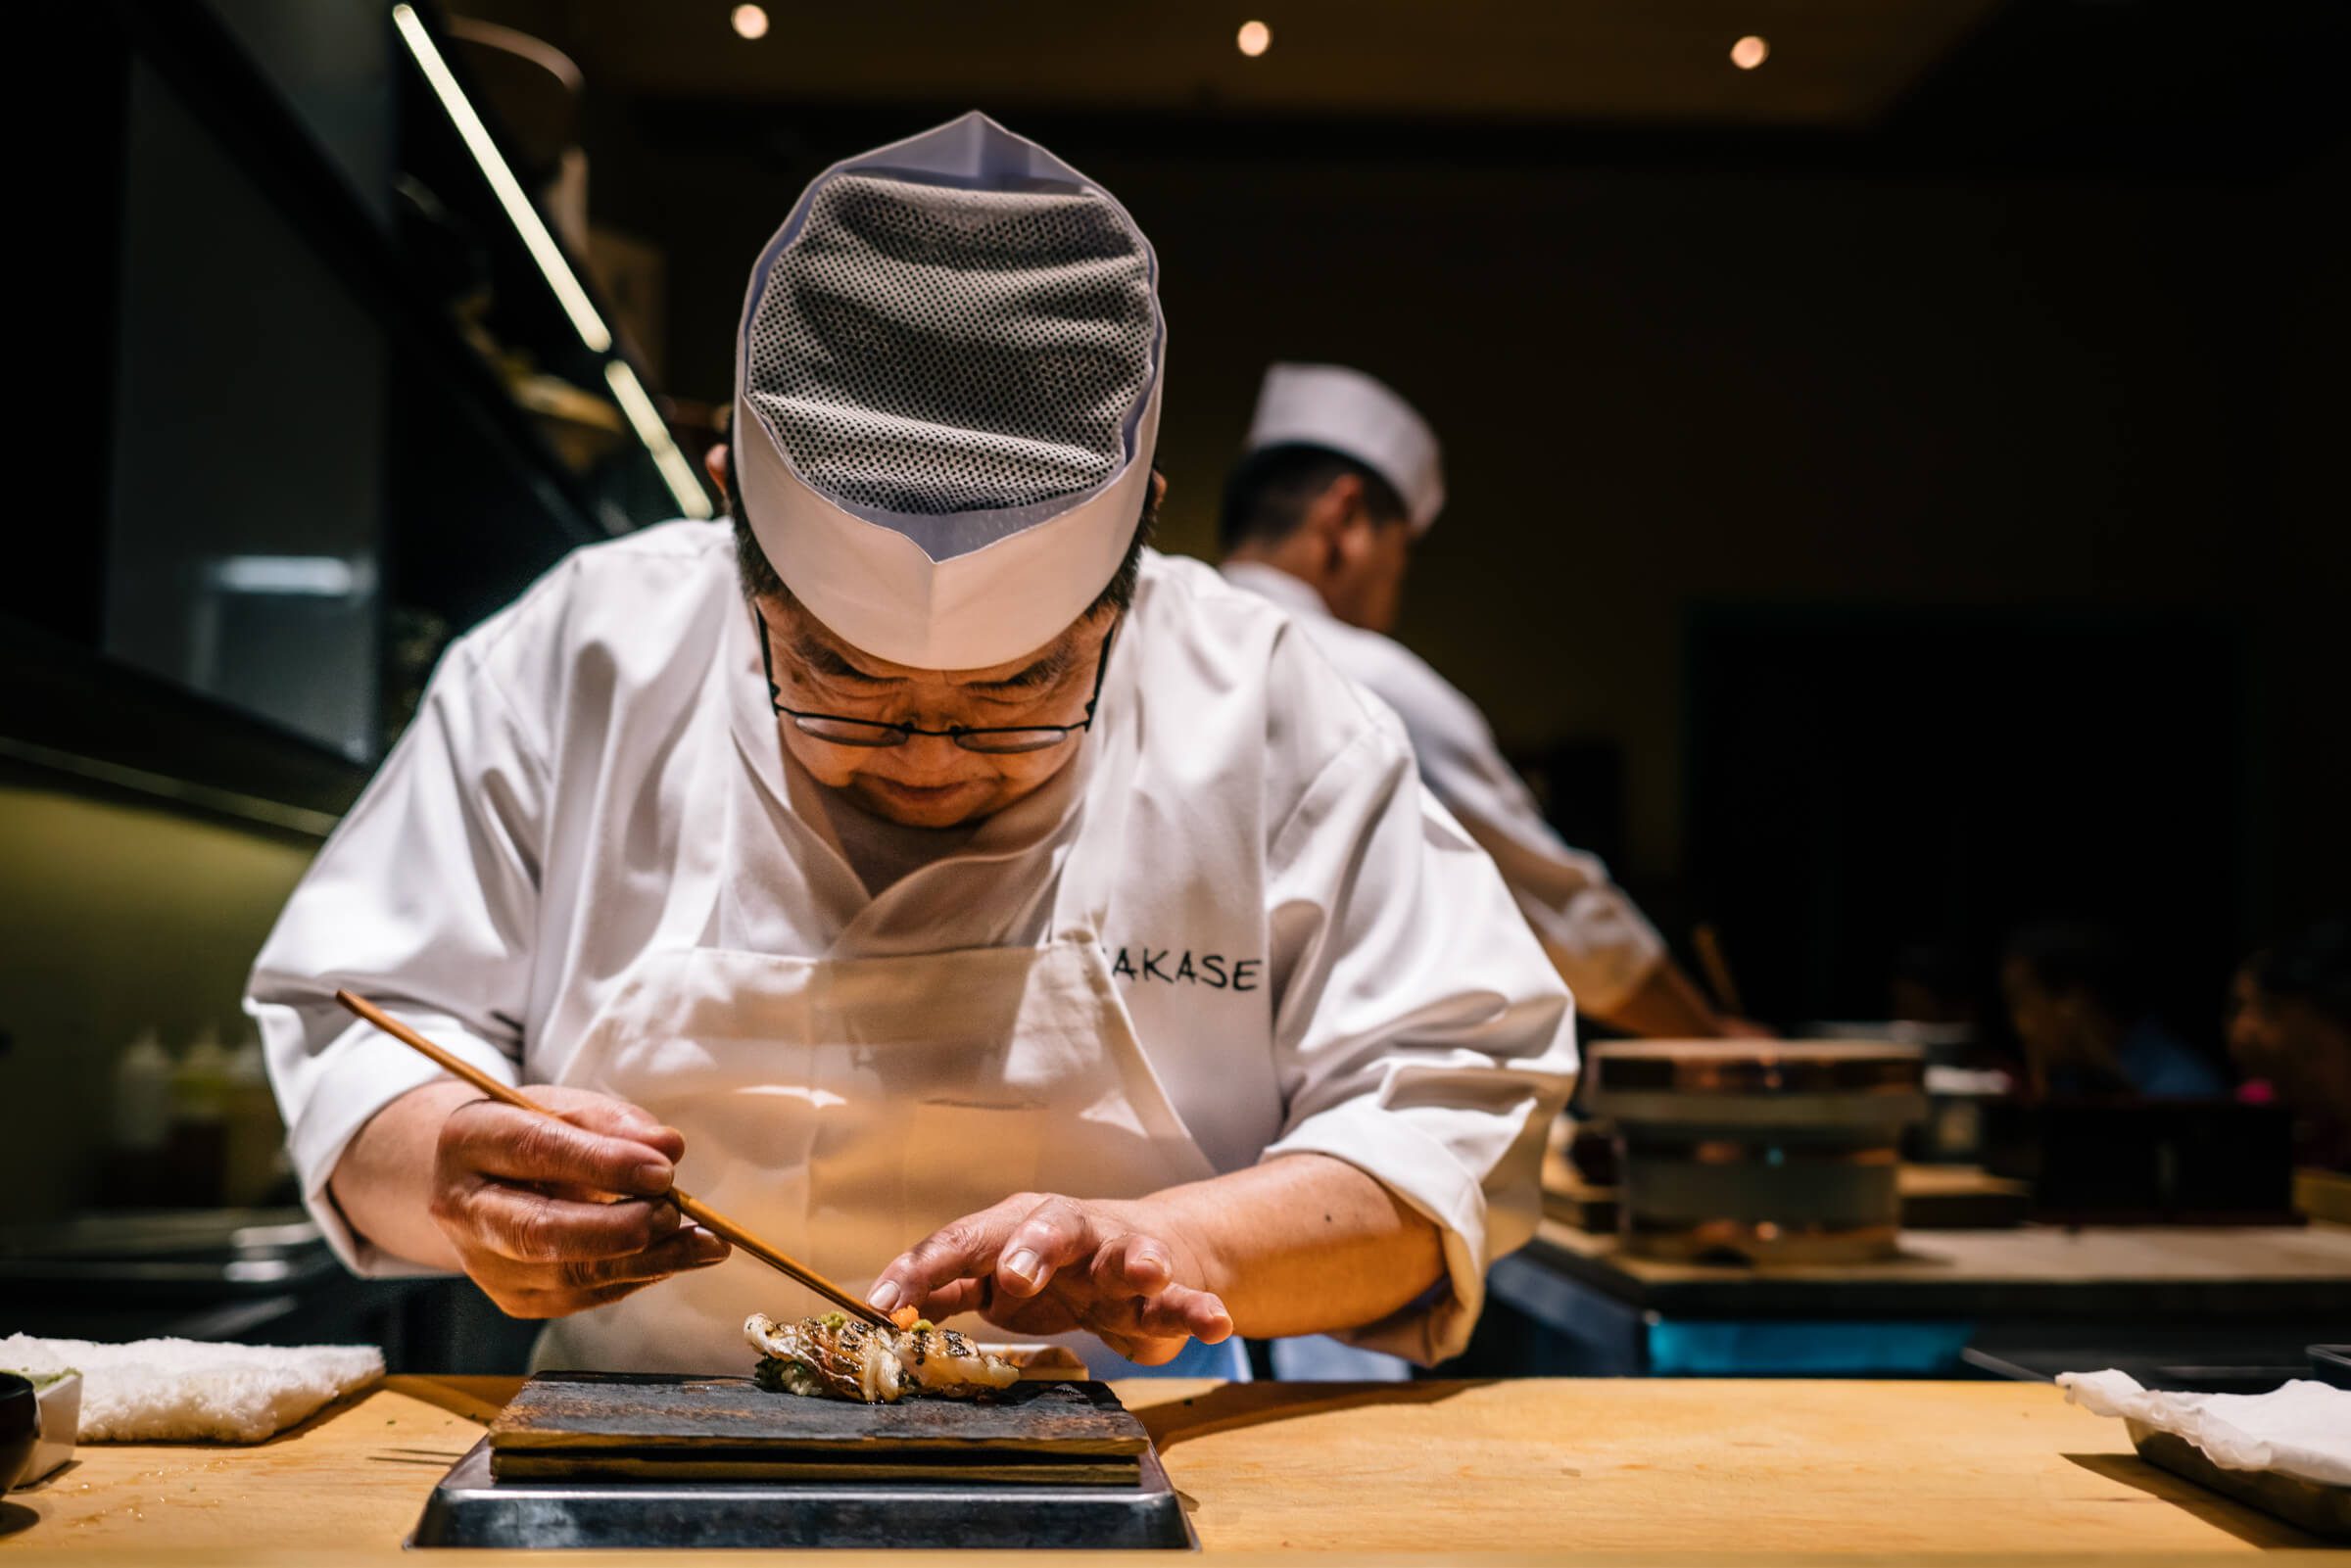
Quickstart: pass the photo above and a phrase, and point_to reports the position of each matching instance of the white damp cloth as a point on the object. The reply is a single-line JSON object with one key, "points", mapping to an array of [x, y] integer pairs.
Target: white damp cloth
{"points": [[157, 1391], [2301, 1430]]}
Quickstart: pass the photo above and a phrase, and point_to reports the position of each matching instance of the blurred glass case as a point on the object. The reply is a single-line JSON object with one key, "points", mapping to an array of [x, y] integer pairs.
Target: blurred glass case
{"points": [[248, 486], [358, 393]]}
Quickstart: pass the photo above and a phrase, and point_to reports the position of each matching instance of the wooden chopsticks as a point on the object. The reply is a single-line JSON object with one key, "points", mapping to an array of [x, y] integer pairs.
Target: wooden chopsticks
{"points": [[700, 1213], [1708, 942]]}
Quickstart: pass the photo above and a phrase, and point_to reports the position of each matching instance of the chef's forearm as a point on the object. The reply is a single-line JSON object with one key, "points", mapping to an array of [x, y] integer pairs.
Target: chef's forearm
{"points": [[1665, 1006], [383, 1183], [1301, 1245]]}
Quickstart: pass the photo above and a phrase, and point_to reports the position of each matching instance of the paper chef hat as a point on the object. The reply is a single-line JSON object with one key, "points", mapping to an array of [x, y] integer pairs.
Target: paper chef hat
{"points": [[947, 396], [1352, 414]]}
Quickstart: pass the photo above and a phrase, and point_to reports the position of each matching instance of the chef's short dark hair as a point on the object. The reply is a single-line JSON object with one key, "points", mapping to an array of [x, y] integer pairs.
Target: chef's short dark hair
{"points": [[761, 580], [1269, 491]]}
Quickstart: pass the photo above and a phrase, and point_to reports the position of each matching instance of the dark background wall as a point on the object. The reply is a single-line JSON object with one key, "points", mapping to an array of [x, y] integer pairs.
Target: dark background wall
{"points": [[1676, 382]]}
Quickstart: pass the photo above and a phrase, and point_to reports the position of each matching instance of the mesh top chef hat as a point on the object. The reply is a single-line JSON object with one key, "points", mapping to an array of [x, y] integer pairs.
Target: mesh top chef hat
{"points": [[947, 393], [1352, 414]]}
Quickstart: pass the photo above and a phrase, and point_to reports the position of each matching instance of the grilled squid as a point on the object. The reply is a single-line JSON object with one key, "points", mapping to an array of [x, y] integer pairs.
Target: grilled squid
{"points": [[837, 1356]]}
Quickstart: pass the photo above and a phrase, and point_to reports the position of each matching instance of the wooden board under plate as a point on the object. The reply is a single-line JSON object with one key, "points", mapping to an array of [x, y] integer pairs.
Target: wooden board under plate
{"points": [[622, 1423]]}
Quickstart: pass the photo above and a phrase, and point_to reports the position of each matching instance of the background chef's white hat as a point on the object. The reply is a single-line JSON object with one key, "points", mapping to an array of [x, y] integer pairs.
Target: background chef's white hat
{"points": [[947, 393], [1352, 414]]}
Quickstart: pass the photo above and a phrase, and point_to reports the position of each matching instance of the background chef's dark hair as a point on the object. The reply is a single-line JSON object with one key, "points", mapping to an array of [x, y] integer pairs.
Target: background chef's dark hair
{"points": [[760, 581], [1267, 493]]}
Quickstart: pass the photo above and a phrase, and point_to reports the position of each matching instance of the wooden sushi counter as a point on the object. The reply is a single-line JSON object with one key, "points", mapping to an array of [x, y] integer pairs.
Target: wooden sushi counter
{"points": [[1647, 1472]]}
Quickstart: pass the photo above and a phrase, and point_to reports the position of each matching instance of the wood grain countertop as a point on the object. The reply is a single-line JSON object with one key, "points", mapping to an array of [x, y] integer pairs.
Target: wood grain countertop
{"points": [[2174, 1271], [1635, 1471]]}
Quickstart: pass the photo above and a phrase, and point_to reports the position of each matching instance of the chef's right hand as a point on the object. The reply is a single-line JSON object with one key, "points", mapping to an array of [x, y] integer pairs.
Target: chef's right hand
{"points": [[552, 1217]]}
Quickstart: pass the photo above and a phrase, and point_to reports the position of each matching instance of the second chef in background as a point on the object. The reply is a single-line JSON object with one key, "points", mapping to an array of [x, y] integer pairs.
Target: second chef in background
{"points": [[1339, 479]]}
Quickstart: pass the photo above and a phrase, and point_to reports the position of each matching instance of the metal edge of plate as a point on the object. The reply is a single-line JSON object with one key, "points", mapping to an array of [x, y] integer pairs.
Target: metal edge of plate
{"points": [[467, 1508], [2322, 1510]]}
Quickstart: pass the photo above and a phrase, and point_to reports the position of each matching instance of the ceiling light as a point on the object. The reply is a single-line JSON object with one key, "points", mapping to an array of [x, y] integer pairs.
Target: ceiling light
{"points": [[1255, 38], [1749, 52], [751, 21]]}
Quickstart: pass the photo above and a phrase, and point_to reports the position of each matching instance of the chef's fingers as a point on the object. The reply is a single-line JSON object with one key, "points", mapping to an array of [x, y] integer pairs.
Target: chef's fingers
{"points": [[959, 1250], [1140, 1272], [1178, 1312], [689, 1248], [955, 1297], [574, 1191], [1142, 1350], [1181, 1310], [1057, 1233], [1133, 1265], [532, 1228], [553, 1290], [614, 1119], [562, 1304], [498, 1140]]}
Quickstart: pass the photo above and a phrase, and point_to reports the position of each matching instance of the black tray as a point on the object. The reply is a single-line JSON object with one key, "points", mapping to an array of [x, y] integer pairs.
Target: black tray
{"points": [[471, 1508]]}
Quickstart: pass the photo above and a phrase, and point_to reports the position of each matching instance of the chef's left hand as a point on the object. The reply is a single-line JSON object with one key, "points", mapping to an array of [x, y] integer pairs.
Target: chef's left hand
{"points": [[1038, 1263]]}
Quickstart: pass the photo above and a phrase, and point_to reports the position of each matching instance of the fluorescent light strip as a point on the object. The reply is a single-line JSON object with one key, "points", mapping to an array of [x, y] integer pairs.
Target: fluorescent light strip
{"points": [[224, 802], [542, 244], [676, 472], [291, 575]]}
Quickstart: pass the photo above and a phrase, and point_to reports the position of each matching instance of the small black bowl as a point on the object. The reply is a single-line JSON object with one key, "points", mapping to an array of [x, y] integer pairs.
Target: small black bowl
{"points": [[20, 1426]]}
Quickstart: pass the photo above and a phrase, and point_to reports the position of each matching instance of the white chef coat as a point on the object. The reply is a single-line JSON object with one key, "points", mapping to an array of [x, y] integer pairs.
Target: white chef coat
{"points": [[1314, 957], [1601, 941]]}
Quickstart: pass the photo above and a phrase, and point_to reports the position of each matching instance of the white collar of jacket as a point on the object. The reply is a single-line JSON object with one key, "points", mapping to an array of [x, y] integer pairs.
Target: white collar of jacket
{"points": [[966, 589], [1293, 594]]}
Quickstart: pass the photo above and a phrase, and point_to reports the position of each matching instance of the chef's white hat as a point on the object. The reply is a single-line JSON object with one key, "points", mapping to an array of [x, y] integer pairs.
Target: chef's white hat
{"points": [[1352, 414], [946, 394]]}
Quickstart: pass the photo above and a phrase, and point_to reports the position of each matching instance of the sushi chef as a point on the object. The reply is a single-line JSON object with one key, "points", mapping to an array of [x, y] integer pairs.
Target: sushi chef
{"points": [[1339, 479], [994, 914]]}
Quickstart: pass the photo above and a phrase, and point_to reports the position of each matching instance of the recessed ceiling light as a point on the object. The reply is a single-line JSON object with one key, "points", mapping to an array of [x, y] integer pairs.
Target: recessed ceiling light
{"points": [[1255, 38], [1749, 52], [751, 21]]}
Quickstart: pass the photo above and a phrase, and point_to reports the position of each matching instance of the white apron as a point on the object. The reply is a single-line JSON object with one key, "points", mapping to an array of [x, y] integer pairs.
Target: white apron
{"points": [[844, 1107]]}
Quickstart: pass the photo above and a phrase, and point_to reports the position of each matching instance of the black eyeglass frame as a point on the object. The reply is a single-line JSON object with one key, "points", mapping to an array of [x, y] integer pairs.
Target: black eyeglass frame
{"points": [[898, 734]]}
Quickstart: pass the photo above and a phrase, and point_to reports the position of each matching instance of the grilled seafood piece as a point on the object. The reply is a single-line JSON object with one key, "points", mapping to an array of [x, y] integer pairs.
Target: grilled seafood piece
{"points": [[837, 1356]]}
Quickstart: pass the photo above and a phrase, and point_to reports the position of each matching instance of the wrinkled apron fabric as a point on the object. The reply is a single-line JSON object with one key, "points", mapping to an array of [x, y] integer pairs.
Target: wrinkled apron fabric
{"points": [[844, 1107]]}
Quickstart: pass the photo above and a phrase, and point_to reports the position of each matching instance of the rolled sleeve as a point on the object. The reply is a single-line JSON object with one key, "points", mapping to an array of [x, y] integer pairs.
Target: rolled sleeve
{"points": [[1423, 1036], [359, 1073], [1603, 946], [1593, 932], [1421, 1170], [422, 901]]}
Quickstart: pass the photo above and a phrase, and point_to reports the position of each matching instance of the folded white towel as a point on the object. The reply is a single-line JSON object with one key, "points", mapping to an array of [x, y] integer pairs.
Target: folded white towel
{"points": [[2303, 1429], [160, 1390]]}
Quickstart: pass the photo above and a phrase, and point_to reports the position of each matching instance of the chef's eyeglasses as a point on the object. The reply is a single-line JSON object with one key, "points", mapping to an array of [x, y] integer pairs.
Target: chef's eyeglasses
{"points": [[995, 740]]}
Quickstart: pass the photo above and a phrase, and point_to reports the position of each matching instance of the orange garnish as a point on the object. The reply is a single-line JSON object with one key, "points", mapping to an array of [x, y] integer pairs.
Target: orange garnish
{"points": [[905, 1317]]}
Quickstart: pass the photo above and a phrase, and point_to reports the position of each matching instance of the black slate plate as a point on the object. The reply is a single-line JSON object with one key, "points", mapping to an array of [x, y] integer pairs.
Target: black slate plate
{"points": [[472, 1508]]}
